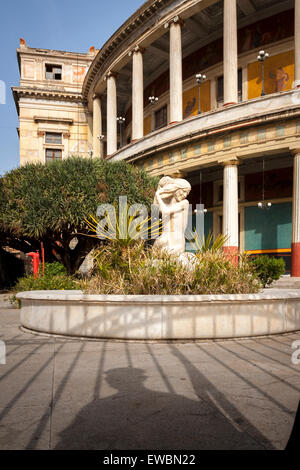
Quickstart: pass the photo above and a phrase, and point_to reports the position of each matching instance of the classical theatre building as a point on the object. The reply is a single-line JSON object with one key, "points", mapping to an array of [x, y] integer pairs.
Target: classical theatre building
{"points": [[234, 133]]}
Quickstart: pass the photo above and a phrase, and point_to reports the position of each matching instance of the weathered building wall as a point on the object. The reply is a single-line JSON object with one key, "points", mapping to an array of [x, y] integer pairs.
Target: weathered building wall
{"points": [[51, 104]]}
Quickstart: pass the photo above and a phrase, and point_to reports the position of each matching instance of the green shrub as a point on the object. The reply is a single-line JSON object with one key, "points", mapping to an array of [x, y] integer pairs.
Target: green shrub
{"points": [[54, 269], [268, 269], [49, 282]]}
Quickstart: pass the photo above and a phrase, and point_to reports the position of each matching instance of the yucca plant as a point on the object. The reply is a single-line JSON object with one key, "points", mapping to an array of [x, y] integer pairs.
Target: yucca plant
{"points": [[125, 229], [209, 243], [124, 239]]}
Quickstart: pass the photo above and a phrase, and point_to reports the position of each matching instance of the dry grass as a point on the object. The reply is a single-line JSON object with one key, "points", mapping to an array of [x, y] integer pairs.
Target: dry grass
{"points": [[137, 270]]}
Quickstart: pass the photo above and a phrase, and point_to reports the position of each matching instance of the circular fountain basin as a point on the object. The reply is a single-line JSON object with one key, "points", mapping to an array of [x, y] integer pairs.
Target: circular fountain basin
{"points": [[160, 317]]}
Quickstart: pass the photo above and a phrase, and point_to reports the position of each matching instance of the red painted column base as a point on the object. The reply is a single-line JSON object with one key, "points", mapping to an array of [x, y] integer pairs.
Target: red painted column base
{"points": [[232, 253], [229, 104], [295, 268]]}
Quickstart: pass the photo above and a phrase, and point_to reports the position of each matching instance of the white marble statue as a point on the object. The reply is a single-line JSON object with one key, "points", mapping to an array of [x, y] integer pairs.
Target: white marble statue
{"points": [[171, 198]]}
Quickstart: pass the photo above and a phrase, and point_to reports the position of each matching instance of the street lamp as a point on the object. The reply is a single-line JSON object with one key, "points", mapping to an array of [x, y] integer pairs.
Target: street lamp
{"points": [[262, 56], [121, 121], [263, 204], [153, 100], [200, 77]]}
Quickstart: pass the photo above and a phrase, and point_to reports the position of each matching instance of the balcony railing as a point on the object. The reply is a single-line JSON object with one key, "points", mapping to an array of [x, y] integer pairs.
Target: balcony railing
{"points": [[247, 113]]}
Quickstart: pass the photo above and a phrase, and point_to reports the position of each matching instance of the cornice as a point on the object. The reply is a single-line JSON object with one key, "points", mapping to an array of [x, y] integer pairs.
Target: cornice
{"points": [[52, 119], [49, 94], [49, 53]]}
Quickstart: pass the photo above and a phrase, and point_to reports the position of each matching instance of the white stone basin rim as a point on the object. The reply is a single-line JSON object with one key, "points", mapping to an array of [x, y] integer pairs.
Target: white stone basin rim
{"points": [[161, 317]]}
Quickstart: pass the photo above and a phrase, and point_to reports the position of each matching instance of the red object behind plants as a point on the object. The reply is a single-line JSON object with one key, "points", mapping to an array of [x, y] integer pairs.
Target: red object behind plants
{"points": [[36, 263]]}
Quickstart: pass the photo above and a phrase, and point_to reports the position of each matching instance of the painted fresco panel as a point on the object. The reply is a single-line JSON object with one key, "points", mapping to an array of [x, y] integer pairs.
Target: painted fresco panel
{"points": [[191, 100], [266, 31], [279, 75]]}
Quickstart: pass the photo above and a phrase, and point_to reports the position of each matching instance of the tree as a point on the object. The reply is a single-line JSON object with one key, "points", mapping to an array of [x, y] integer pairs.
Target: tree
{"points": [[49, 203]]}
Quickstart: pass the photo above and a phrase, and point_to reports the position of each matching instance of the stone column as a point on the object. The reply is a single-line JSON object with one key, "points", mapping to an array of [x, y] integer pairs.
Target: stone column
{"points": [[175, 70], [111, 114], [297, 43], [137, 94], [231, 208], [295, 271], [97, 128], [230, 53]]}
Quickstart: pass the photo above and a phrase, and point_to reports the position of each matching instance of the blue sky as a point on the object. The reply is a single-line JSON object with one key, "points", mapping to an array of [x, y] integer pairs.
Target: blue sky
{"points": [[72, 25]]}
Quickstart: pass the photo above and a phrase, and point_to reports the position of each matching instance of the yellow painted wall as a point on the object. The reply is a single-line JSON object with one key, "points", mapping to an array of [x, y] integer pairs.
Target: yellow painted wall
{"points": [[147, 124], [191, 100], [279, 75]]}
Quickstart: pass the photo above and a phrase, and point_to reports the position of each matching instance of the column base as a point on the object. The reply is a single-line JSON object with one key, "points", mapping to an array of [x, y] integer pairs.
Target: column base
{"points": [[230, 103], [295, 268], [173, 122], [232, 253]]}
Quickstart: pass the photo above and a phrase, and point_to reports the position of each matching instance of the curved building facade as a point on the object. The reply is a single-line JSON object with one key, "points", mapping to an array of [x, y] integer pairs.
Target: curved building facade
{"points": [[234, 135]]}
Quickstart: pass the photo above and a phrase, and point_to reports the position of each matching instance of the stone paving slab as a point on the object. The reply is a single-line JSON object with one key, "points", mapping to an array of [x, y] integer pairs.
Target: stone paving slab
{"points": [[73, 394]]}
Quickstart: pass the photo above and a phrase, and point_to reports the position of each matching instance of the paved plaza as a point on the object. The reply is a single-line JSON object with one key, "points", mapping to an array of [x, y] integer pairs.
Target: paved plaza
{"points": [[72, 394]]}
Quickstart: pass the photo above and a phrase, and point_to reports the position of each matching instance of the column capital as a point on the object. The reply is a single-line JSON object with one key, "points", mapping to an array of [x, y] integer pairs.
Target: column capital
{"points": [[175, 20], [137, 49], [295, 151], [96, 96], [110, 74], [178, 174], [232, 162]]}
